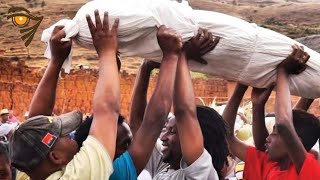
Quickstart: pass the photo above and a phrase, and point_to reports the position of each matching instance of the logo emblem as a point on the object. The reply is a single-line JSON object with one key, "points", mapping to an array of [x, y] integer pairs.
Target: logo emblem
{"points": [[20, 18], [49, 140]]}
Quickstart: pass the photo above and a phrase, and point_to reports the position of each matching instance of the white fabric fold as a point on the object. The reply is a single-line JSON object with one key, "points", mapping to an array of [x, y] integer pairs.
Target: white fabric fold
{"points": [[246, 53]]}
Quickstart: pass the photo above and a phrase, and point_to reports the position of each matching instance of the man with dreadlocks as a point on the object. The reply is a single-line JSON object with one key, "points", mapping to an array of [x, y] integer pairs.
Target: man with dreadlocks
{"points": [[214, 134]]}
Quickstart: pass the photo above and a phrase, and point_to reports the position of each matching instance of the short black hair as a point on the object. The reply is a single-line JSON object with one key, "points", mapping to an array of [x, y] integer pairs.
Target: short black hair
{"points": [[82, 132], [307, 127], [214, 133]]}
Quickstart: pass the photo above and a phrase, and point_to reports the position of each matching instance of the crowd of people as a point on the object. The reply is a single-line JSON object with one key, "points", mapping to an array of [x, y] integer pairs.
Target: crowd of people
{"points": [[191, 142]]}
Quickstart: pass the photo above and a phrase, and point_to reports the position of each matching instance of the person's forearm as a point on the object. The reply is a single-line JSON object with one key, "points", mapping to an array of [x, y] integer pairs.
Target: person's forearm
{"points": [[106, 103], [186, 115], [107, 93], [236, 147], [44, 98], [156, 114], [304, 103], [284, 122], [283, 109], [160, 102], [184, 100], [139, 98], [230, 111], [259, 130]]}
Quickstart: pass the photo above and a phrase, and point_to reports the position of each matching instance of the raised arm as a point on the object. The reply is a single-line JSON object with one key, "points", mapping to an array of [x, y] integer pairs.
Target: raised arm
{"points": [[196, 47], [259, 98], [139, 97], [106, 101], [295, 63], [190, 135], [189, 130], [237, 148], [43, 101], [159, 105]]}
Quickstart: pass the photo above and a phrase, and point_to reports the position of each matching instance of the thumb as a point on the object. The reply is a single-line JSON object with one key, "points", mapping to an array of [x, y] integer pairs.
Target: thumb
{"points": [[57, 29]]}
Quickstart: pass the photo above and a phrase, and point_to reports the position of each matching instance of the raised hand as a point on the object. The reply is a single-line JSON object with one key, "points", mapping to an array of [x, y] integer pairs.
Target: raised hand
{"points": [[169, 40], [198, 46], [59, 49], [261, 95], [295, 63], [104, 40]]}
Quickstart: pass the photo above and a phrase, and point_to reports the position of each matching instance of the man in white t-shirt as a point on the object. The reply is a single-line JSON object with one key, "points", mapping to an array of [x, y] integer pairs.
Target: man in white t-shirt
{"points": [[41, 147], [182, 137]]}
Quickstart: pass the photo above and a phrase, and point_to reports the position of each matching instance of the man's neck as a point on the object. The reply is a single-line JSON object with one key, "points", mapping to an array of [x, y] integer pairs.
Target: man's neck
{"points": [[42, 172], [175, 164], [37, 176], [284, 163]]}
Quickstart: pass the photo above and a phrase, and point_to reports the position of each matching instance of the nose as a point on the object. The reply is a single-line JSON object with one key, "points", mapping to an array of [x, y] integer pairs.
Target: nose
{"points": [[268, 139], [164, 136]]}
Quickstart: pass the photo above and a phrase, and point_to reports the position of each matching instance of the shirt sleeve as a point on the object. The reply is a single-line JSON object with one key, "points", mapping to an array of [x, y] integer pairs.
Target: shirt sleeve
{"points": [[201, 169], [155, 160], [91, 162], [255, 164], [310, 168], [124, 168]]}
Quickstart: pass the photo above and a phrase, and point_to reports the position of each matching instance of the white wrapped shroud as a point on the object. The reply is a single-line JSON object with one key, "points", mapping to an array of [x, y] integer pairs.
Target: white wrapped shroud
{"points": [[246, 53]]}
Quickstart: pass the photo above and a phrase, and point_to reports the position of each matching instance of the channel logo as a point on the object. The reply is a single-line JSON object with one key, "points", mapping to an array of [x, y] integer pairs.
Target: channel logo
{"points": [[20, 18]]}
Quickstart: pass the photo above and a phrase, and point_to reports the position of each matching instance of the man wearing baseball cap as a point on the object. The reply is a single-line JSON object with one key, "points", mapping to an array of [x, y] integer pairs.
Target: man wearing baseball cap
{"points": [[41, 135], [42, 148]]}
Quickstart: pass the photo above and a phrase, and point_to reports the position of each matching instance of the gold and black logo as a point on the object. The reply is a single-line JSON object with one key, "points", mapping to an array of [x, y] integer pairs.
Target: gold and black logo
{"points": [[21, 17]]}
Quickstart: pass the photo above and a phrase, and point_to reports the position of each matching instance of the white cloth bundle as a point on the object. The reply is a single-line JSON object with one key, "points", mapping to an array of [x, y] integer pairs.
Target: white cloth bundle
{"points": [[246, 53]]}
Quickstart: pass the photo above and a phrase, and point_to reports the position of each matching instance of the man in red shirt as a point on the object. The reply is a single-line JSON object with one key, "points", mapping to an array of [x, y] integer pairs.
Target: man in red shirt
{"points": [[294, 133]]}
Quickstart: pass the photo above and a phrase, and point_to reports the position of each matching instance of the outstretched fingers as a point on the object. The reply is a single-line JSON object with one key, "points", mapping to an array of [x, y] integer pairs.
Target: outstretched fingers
{"points": [[115, 26], [91, 26], [98, 20], [106, 22]]}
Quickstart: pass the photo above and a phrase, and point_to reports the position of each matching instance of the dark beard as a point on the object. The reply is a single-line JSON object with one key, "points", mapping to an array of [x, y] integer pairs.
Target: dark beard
{"points": [[173, 160]]}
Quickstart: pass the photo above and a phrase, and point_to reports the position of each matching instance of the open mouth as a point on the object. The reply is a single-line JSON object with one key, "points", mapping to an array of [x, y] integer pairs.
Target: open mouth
{"points": [[267, 148], [164, 147]]}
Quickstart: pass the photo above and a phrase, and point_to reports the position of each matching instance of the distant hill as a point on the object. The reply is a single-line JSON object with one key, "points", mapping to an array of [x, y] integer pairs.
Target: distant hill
{"points": [[312, 42], [292, 18]]}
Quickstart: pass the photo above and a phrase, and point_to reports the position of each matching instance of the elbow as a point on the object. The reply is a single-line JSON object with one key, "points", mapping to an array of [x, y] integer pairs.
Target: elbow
{"points": [[283, 120], [107, 103], [184, 110], [160, 103], [283, 126], [232, 144], [231, 138], [159, 109], [102, 107]]}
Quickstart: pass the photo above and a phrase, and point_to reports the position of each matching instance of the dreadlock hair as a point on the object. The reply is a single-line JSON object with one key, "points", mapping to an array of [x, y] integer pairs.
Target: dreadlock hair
{"points": [[214, 133], [82, 132], [307, 127]]}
